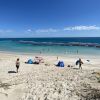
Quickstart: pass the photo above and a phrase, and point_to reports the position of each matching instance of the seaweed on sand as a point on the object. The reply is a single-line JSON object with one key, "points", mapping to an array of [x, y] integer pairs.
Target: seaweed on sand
{"points": [[4, 85]]}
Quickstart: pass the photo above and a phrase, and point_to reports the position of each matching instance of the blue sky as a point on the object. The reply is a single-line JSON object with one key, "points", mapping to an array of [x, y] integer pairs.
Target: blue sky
{"points": [[49, 18]]}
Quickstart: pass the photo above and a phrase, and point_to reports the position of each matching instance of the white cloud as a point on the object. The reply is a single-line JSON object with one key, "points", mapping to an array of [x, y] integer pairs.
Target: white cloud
{"points": [[79, 28], [5, 31], [29, 30], [46, 30], [69, 28], [8, 31]]}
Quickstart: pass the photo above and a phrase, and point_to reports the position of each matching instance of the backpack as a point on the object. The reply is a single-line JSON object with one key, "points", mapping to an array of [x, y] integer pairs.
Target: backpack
{"points": [[77, 62]]}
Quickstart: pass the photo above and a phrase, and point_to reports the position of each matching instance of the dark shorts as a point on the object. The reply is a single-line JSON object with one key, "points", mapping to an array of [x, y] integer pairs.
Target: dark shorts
{"points": [[17, 66], [80, 65]]}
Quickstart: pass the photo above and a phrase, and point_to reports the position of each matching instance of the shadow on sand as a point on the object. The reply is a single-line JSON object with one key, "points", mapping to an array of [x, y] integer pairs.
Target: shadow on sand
{"points": [[11, 72], [76, 68]]}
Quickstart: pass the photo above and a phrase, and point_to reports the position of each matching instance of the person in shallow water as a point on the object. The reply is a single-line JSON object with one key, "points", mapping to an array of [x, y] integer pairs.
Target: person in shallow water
{"points": [[77, 51], [17, 64]]}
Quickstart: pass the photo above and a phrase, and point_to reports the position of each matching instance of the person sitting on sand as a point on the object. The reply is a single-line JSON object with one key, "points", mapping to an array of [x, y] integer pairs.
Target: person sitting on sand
{"points": [[30, 61], [40, 59], [17, 64], [80, 63]]}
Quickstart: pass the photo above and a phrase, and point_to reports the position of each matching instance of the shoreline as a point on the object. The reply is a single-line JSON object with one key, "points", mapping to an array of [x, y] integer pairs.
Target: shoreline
{"points": [[52, 55]]}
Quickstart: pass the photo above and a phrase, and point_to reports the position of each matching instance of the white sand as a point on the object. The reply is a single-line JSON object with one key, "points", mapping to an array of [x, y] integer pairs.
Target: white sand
{"points": [[40, 82]]}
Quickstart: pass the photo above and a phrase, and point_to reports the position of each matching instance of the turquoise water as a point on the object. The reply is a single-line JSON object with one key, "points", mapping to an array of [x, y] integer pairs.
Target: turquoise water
{"points": [[9, 45]]}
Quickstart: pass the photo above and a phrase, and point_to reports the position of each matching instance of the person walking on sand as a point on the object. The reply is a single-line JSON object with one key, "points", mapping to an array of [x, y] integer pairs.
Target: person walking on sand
{"points": [[17, 64], [80, 63]]}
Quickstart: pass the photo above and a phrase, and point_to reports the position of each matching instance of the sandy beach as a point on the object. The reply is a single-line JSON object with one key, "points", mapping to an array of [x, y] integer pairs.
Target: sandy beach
{"points": [[48, 82]]}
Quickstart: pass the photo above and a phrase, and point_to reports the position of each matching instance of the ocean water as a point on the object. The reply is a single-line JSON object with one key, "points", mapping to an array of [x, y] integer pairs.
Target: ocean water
{"points": [[51, 46]]}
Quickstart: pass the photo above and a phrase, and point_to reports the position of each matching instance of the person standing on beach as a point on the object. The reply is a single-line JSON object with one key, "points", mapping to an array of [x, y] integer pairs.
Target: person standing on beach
{"points": [[17, 64], [80, 63]]}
